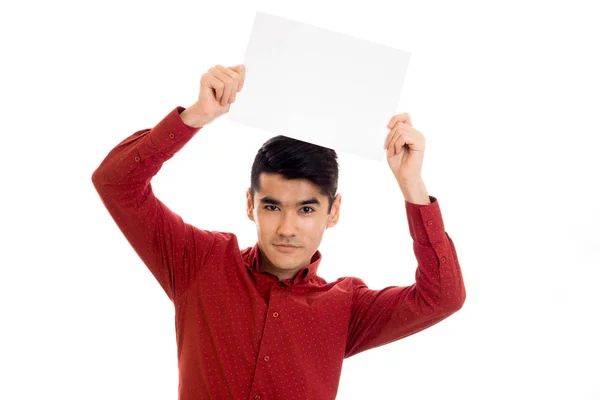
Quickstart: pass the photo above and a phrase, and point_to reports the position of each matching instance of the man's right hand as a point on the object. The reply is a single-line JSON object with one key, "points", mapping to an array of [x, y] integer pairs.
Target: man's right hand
{"points": [[218, 89]]}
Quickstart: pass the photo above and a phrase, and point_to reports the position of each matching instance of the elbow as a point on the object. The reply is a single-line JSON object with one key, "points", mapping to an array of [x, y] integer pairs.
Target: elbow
{"points": [[460, 303], [98, 176], [454, 302], [455, 297], [97, 180], [95, 176]]}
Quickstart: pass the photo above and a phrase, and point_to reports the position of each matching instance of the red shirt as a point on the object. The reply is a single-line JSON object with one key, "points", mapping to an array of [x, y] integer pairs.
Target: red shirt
{"points": [[242, 333]]}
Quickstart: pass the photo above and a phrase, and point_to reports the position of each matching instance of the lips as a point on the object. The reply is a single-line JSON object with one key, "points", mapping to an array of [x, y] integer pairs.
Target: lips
{"points": [[286, 249], [286, 246]]}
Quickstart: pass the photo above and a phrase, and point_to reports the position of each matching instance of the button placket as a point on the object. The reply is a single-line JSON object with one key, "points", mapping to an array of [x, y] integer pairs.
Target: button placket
{"points": [[274, 314]]}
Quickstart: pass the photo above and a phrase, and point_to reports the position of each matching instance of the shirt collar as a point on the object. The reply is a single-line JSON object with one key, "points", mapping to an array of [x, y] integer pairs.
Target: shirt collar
{"points": [[303, 275]]}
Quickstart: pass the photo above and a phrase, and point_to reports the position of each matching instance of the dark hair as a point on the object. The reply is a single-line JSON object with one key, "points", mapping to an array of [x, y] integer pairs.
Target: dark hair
{"points": [[296, 159]]}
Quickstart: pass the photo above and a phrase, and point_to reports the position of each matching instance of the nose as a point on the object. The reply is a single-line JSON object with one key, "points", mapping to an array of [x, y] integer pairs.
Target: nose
{"points": [[287, 225]]}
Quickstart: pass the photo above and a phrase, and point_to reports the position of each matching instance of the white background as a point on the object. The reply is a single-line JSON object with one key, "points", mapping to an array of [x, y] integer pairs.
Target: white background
{"points": [[506, 94]]}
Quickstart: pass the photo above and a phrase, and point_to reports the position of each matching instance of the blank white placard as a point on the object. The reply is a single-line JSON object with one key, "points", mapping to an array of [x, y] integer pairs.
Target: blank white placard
{"points": [[319, 86]]}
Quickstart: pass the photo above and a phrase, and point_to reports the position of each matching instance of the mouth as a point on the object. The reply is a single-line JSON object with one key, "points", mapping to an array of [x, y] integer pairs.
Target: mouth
{"points": [[285, 248]]}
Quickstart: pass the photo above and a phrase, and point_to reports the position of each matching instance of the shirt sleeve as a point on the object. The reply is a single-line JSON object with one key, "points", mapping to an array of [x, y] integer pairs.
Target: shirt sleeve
{"points": [[171, 248], [379, 317]]}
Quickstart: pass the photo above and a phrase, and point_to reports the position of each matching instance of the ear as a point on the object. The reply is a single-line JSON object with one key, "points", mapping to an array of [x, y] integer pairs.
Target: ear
{"points": [[334, 216], [249, 209]]}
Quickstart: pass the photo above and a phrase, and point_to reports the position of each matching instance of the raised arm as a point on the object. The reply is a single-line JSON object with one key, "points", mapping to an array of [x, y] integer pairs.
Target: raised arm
{"points": [[383, 316], [172, 249]]}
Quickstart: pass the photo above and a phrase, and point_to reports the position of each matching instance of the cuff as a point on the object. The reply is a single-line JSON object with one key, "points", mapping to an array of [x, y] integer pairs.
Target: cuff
{"points": [[425, 221], [171, 133]]}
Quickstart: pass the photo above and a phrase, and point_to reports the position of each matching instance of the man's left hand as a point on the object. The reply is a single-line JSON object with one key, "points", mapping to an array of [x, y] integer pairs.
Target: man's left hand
{"points": [[405, 149]]}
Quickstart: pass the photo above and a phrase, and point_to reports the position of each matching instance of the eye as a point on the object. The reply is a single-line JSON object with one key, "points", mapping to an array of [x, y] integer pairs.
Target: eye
{"points": [[310, 208]]}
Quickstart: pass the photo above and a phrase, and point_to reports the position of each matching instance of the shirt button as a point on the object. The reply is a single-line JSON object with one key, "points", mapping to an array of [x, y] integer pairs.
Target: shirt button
{"points": [[276, 314], [429, 222], [137, 159], [443, 259], [171, 135], [266, 358], [257, 397]]}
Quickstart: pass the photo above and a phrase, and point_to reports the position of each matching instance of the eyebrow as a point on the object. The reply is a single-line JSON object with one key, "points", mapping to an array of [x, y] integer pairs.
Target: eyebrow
{"points": [[270, 200]]}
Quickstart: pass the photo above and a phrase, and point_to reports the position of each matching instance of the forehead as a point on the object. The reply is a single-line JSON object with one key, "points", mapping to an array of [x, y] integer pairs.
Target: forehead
{"points": [[287, 190]]}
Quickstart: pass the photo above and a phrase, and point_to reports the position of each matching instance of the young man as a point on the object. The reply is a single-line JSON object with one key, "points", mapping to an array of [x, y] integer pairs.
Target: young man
{"points": [[259, 323]]}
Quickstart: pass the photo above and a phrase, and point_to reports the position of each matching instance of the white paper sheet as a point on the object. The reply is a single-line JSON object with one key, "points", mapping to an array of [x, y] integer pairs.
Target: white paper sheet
{"points": [[319, 86]]}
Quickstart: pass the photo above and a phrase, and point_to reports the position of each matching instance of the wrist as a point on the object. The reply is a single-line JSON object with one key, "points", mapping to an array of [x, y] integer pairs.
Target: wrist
{"points": [[193, 118], [414, 191]]}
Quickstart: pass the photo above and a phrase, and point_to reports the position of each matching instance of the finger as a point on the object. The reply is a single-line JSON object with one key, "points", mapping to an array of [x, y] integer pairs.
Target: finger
{"points": [[399, 144], [227, 82], [235, 84], [390, 135], [241, 70], [404, 117], [217, 85], [396, 143], [222, 74], [388, 138]]}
